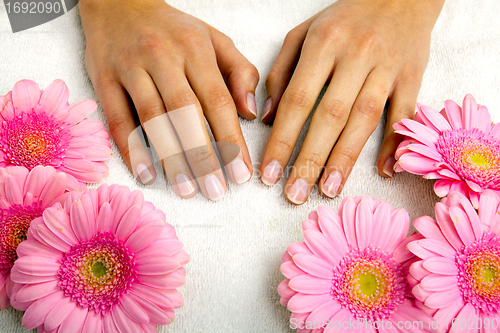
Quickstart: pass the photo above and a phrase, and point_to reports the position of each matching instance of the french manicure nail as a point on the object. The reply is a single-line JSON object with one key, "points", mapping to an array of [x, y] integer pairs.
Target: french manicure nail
{"points": [[144, 174], [241, 174], [389, 166], [252, 107], [267, 108], [271, 173], [184, 184], [332, 184], [298, 192], [214, 187]]}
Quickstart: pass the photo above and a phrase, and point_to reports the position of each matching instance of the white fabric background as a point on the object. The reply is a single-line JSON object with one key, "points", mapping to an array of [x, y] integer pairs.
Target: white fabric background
{"points": [[236, 244]]}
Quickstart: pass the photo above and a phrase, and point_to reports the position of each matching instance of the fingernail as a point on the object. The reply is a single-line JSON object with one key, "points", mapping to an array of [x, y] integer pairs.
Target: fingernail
{"points": [[214, 187], [389, 166], [332, 184], [144, 174], [252, 107], [184, 184], [267, 108], [271, 173], [298, 192], [241, 174]]}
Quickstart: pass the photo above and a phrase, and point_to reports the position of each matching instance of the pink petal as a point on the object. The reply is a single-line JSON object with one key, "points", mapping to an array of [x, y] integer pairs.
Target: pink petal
{"points": [[447, 227], [333, 231], [435, 282], [51, 239], [153, 265], [105, 218], [93, 323], [80, 110], [36, 180], [313, 265], [348, 221], [417, 164], [321, 246], [160, 299], [364, 223], [54, 188], [39, 266], [421, 130], [324, 312], [442, 187], [55, 97], [407, 313], [429, 152], [75, 320], [37, 312], [156, 315], [309, 284], [25, 95], [166, 247], [133, 310], [123, 322], [13, 192], [400, 225], [128, 222], [483, 119], [445, 172], [86, 127], [432, 117], [428, 227], [401, 253], [32, 292], [420, 293], [453, 114], [419, 251], [165, 281], [108, 325], [290, 270], [59, 312], [473, 186], [495, 131], [31, 247], [469, 105], [341, 316], [440, 265], [302, 303], [58, 222], [467, 315], [381, 223], [79, 221], [444, 315], [19, 277], [284, 290], [418, 271], [440, 248], [142, 237], [119, 207], [462, 225], [488, 204]]}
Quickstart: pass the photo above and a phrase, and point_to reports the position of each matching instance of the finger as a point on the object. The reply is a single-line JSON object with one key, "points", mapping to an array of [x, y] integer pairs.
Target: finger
{"points": [[363, 119], [326, 125], [153, 117], [241, 76], [187, 118], [401, 106], [220, 111], [313, 69], [282, 70], [124, 130]]}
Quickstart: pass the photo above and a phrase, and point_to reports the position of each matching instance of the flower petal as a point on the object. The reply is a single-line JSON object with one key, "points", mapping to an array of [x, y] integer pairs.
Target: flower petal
{"points": [[75, 321], [153, 265], [309, 284], [418, 271], [440, 265], [444, 315], [436, 282], [290, 270], [462, 225], [25, 95], [142, 237], [128, 223], [321, 246], [302, 303], [39, 266], [33, 292], [93, 323], [313, 265], [59, 312], [348, 221], [133, 310], [57, 221], [156, 315], [417, 164], [435, 119], [37, 312], [80, 110], [453, 114], [428, 227], [55, 97], [123, 322]]}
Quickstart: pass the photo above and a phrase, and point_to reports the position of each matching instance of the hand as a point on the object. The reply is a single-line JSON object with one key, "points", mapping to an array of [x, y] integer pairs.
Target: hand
{"points": [[168, 61], [369, 51]]}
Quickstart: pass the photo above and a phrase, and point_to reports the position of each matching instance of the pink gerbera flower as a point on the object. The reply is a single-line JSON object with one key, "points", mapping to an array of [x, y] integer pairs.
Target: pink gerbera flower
{"points": [[458, 276], [41, 128], [349, 274], [107, 262], [458, 146], [23, 197]]}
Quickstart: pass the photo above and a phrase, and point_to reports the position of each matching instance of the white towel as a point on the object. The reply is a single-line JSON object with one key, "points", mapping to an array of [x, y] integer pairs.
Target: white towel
{"points": [[236, 244]]}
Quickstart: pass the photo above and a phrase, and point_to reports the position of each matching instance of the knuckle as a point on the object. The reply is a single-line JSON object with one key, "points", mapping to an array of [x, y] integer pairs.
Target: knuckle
{"points": [[348, 155], [230, 137], [327, 32], [283, 144], [251, 72], [272, 78], [315, 160], [181, 100], [149, 109], [333, 111], [218, 98], [297, 98], [370, 109], [117, 123]]}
